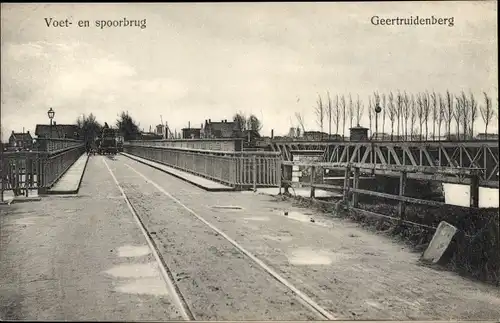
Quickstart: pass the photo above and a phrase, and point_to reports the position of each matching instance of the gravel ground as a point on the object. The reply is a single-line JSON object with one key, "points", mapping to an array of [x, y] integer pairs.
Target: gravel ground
{"points": [[79, 258], [349, 271]]}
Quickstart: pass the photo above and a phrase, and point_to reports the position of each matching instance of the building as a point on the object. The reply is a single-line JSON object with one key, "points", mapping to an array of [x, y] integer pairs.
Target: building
{"points": [[358, 133], [222, 129], [489, 136], [250, 138], [191, 133], [149, 136], [160, 129], [315, 135], [21, 141], [59, 131]]}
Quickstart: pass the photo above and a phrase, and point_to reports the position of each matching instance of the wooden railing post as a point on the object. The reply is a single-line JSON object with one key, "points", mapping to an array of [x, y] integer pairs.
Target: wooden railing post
{"points": [[355, 185], [313, 175], [474, 191], [402, 188], [347, 183], [254, 172]]}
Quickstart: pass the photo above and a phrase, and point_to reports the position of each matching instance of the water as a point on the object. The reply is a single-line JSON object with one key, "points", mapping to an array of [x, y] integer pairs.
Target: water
{"points": [[133, 251], [306, 256], [138, 278], [148, 286], [134, 271], [257, 218]]}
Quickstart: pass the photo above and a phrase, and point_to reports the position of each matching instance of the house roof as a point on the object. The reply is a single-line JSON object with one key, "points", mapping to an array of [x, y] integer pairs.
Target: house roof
{"points": [[59, 129], [22, 136]]}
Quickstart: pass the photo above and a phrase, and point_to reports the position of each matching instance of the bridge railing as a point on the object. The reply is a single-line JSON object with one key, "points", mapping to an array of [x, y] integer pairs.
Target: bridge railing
{"points": [[236, 169], [38, 169]]}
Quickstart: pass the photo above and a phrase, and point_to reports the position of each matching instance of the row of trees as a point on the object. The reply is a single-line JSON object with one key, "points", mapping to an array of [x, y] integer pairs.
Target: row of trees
{"points": [[247, 123], [409, 115], [126, 125], [90, 128]]}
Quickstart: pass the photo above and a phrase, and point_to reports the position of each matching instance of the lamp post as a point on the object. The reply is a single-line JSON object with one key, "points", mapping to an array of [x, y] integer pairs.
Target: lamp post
{"points": [[378, 109], [51, 113]]}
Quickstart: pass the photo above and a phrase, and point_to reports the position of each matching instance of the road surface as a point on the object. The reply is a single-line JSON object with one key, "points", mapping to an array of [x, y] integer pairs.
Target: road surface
{"points": [[139, 244]]}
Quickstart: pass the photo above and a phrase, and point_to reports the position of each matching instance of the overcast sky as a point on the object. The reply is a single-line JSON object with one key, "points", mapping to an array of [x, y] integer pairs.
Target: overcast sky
{"points": [[198, 61]]}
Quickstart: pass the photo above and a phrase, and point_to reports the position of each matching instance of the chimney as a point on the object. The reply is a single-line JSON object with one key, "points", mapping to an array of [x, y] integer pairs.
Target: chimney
{"points": [[189, 124], [12, 131], [272, 133], [209, 120], [23, 129]]}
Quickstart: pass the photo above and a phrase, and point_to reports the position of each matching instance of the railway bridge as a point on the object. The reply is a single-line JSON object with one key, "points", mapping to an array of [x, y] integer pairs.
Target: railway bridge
{"points": [[165, 231]]}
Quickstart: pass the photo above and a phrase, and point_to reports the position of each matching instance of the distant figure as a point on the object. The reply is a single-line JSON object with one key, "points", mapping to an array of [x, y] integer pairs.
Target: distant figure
{"points": [[87, 147]]}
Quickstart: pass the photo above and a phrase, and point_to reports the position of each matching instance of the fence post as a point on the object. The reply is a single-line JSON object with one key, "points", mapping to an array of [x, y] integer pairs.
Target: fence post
{"points": [[402, 188], [313, 175], [254, 172], [355, 185], [278, 164], [347, 183], [474, 191]]}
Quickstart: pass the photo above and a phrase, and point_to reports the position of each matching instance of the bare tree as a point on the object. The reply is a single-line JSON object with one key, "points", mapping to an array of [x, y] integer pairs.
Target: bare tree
{"points": [[351, 110], [413, 115], [320, 113], [359, 111], [465, 114], [473, 113], [406, 113], [337, 114], [435, 113], [399, 112], [384, 108], [420, 113], [427, 111], [392, 113], [487, 112], [370, 115], [457, 115], [329, 114], [344, 106], [448, 113], [441, 114], [300, 120]]}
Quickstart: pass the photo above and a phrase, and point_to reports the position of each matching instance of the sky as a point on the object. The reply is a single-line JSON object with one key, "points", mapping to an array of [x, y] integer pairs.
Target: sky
{"points": [[202, 61]]}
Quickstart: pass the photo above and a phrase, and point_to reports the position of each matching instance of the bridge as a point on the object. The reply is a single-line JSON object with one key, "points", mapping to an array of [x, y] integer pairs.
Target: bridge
{"points": [[192, 230]]}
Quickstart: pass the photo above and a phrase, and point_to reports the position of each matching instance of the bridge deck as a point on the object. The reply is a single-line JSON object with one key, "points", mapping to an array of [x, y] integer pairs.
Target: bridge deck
{"points": [[69, 183], [102, 267]]}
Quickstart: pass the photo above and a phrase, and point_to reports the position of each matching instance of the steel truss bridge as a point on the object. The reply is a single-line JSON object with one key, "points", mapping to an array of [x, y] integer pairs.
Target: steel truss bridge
{"points": [[482, 156]]}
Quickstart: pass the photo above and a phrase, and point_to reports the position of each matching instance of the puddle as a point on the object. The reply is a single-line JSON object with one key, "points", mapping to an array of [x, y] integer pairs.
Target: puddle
{"points": [[280, 239], [227, 207], [312, 257], [302, 217], [133, 251], [149, 286], [26, 221], [134, 270], [257, 218]]}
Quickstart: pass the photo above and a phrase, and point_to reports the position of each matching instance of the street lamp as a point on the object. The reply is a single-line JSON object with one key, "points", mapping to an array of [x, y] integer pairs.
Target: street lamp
{"points": [[51, 113], [378, 109]]}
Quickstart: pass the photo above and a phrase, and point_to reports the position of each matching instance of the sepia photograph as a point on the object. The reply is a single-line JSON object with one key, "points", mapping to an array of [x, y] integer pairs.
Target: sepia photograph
{"points": [[254, 161]]}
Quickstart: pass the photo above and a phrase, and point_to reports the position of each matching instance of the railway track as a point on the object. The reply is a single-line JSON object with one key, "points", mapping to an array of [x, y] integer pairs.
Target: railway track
{"points": [[180, 300]]}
